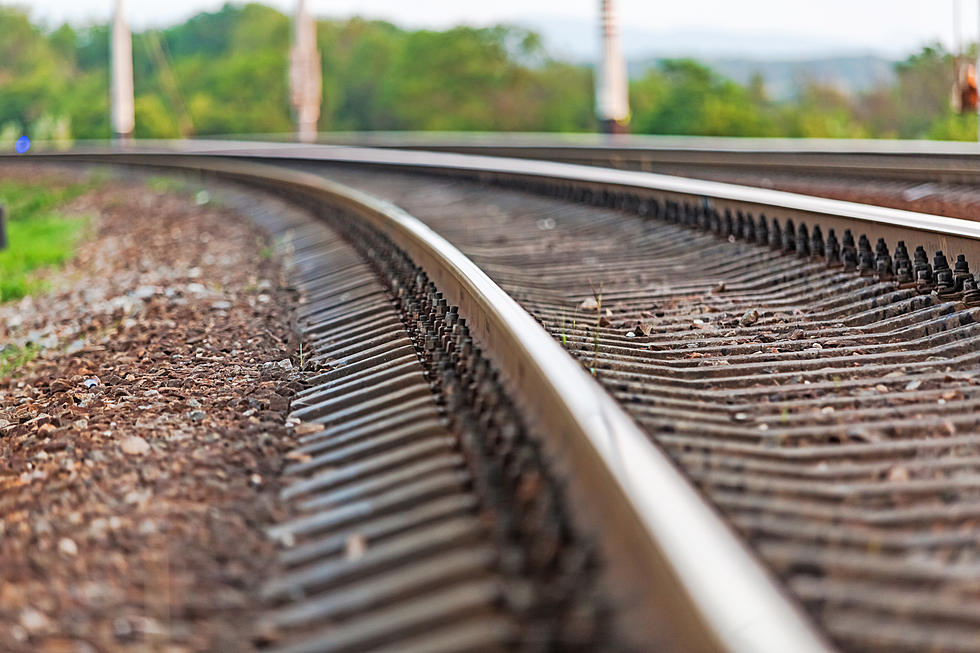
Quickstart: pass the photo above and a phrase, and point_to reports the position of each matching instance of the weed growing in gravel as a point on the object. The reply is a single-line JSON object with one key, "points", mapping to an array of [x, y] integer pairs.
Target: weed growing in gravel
{"points": [[564, 338], [167, 184], [37, 236], [12, 357], [265, 251]]}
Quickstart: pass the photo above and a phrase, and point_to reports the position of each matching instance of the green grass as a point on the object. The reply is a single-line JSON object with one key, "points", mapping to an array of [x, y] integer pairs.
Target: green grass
{"points": [[26, 200], [37, 237], [167, 184], [12, 358]]}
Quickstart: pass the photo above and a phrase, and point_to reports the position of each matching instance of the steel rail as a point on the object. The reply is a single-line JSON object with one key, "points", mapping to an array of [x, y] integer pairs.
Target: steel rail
{"points": [[685, 580], [910, 160], [931, 231]]}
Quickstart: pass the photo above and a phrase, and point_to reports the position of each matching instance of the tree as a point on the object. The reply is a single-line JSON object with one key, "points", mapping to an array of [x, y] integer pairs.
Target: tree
{"points": [[681, 96], [224, 72]]}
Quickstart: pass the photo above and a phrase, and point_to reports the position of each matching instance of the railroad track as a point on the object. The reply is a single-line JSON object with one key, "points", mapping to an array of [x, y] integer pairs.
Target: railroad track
{"points": [[897, 160], [815, 383], [926, 176]]}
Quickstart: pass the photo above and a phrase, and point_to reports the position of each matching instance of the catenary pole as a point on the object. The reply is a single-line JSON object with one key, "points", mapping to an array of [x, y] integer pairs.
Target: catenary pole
{"points": [[121, 71], [612, 99], [304, 74]]}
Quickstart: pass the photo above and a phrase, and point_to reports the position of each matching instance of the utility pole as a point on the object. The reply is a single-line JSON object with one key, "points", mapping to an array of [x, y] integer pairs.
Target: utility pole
{"points": [[304, 75], [611, 97], [121, 91]]}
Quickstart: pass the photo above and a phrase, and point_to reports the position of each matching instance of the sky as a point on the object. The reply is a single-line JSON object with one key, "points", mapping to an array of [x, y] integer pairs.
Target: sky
{"points": [[755, 27]]}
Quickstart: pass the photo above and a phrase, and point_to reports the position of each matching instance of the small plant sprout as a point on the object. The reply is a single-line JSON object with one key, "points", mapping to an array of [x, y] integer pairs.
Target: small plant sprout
{"points": [[564, 338], [597, 295], [265, 249]]}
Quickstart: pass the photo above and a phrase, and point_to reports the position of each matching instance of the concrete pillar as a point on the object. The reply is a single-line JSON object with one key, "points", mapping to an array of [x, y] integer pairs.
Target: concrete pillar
{"points": [[612, 93], [121, 71], [304, 75]]}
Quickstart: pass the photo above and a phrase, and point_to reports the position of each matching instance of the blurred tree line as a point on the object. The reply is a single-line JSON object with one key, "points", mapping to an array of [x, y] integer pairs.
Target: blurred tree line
{"points": [[225, 73]]}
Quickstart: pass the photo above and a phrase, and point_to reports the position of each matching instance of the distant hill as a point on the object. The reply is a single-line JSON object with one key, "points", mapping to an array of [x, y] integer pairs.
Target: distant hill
{"points": [[784, 59], [577, 40], [851, 75]]}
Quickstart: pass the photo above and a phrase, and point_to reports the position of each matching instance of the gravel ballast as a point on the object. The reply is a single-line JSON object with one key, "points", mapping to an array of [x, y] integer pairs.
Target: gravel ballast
{"points": [[140, 451]]}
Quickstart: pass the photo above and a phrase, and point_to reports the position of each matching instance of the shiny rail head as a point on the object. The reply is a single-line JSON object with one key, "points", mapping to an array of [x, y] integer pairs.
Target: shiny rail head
{"points": [[873, 217], [868, 158], [644, 193]]}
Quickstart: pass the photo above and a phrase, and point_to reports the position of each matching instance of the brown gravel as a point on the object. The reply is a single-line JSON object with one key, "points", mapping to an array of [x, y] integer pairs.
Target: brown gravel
{"points": [[132, 510]]}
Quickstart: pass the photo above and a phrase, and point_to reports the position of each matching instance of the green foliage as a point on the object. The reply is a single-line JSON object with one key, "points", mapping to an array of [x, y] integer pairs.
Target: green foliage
{"points": [[684, 97], [821, 111], [377, 76], [37, 236], [12, 358], [954, 127], [224, 72], [923, 91], [154, 119], [469, 93]]}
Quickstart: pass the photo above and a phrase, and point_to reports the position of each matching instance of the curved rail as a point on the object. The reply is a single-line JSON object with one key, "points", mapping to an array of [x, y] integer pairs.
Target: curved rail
{"points": [[910, 160], [932, 231], [674, 564]]}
